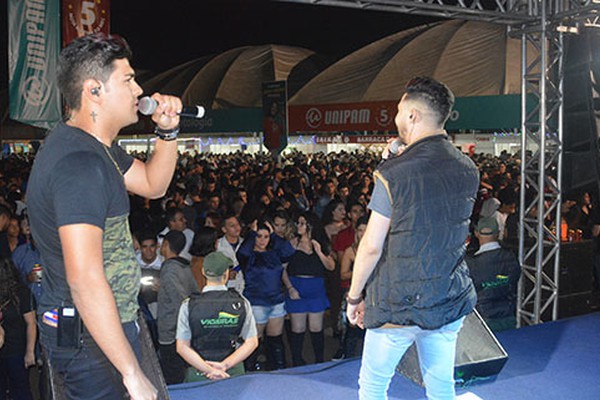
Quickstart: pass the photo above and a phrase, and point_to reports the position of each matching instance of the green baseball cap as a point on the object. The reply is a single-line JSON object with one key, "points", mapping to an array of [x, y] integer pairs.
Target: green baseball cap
{"points": [[216, 263]]}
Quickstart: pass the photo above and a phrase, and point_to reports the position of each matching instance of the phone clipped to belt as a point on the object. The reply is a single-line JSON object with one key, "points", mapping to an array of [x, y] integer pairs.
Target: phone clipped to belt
{"points": [[69, 327]]}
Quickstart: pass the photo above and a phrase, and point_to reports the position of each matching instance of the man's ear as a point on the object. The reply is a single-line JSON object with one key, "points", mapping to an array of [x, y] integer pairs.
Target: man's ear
{"points": [[92, 90]]}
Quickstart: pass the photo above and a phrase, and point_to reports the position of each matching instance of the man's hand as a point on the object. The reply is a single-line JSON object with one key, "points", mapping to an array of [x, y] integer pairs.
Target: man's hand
{"points": [[216, 374], [139, 387], [217, 365], [166, 115], [393, 148], [1, 336], [356, 313]]}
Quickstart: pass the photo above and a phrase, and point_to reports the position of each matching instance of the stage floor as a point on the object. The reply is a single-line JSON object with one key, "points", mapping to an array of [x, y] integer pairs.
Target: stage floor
{"points": [[553, 361]]}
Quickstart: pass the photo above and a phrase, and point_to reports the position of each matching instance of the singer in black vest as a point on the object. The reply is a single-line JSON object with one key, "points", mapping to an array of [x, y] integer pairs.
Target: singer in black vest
{"points": [[216, 330], [410, 258]]}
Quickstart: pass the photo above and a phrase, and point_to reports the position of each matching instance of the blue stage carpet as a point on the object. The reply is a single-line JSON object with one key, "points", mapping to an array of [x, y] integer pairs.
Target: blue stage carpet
{"points": [[558, 360]]}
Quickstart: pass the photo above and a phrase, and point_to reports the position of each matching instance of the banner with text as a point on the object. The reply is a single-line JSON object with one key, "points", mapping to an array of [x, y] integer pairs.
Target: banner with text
{"points": [[33, 47], [375, 116], [476, 112], [81, 17]]}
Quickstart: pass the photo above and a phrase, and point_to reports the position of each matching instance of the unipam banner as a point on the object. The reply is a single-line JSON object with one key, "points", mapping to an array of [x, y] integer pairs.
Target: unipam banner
{"points": [[33, 47]]}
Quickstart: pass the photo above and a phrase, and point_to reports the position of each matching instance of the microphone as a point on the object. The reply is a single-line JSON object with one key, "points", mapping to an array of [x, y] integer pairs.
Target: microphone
{"points": [[394, 147], [147, 105]]}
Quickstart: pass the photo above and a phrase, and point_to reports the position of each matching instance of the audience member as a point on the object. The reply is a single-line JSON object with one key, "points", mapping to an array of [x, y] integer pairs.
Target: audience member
{"points": [[150, 262], [176, 221], [176, 284], [350, 333], [261, 257], [495, 272], [205, 242], [306, 299], [229, 244], [17, 352]]}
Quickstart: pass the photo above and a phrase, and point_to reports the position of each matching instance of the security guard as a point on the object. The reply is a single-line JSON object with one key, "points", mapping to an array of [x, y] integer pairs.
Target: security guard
{"points": [[212, 323]]}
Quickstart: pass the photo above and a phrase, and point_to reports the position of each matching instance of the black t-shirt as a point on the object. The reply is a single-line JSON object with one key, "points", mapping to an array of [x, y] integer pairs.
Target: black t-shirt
{"points": [[15, 328], [302, 263], [75, 179]]}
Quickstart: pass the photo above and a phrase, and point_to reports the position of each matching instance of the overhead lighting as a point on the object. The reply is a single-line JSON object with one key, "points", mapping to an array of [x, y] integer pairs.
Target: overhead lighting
{"points": [[567, 29]]}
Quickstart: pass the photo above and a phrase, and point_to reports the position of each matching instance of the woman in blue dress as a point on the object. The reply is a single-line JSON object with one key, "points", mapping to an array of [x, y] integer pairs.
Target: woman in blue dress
{"points": [[306, 299]]}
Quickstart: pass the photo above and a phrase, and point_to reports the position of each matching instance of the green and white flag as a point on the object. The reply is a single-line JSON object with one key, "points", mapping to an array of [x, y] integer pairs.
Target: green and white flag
{"points": [[33, 48]]}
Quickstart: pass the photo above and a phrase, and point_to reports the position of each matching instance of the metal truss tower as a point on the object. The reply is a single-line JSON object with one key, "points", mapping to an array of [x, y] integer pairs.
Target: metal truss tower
{"points": [[541, 25]]}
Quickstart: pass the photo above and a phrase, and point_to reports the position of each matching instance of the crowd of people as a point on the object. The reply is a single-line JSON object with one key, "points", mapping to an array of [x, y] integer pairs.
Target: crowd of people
{"points": [[225, 257], [291, 230], [231, 259]]}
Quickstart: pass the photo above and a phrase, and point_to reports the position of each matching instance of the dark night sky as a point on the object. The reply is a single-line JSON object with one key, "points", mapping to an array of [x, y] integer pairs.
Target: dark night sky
{"points": [[167, 33]]}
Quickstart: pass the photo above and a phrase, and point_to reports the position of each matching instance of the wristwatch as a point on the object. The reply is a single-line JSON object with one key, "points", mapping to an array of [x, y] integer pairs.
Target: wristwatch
{"points": [[166, 134]]}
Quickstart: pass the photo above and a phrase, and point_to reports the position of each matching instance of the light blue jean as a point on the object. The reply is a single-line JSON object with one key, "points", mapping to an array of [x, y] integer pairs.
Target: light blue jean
{"points": [[384, 347]]}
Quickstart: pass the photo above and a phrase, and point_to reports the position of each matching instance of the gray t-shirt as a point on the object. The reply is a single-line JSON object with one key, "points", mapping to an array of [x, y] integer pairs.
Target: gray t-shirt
{"points": [[184, 332], [380, 201]]}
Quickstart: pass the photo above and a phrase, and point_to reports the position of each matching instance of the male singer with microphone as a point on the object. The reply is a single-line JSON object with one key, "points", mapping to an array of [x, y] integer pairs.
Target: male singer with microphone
{"points": [[411, 255], [78, 208]]}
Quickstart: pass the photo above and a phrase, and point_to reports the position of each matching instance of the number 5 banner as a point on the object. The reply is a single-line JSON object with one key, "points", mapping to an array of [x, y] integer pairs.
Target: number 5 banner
{"points": [[81, 18]]}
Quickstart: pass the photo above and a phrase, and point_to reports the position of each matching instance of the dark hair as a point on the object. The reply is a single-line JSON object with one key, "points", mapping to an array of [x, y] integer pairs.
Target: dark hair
{"points": [[364, 220], [329, 208], [205, 241], [228, 216], [5, 211], [507, 196], [316, 229], [353, 202], [88, 57], [176, 241], [215, 216], [283, 214], [9, 282], [261, 225], [171, 213], [146, 235], [437, 96]]}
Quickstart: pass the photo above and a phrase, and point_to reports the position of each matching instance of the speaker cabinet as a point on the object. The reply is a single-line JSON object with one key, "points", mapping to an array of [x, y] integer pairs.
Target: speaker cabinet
{"points": [[581, 169], [478, 354]]}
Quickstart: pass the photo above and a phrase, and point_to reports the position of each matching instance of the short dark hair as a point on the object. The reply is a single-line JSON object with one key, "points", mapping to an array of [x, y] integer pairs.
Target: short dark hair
{"points": [[175, 240], [364, 220], [437, 96], [228, 216], [146, 235], [88, 57], [171, 213]]}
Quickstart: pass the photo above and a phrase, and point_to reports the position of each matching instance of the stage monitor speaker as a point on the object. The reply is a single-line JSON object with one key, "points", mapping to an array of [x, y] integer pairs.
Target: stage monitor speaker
{"points": [[149, 361], [479, 356]]}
